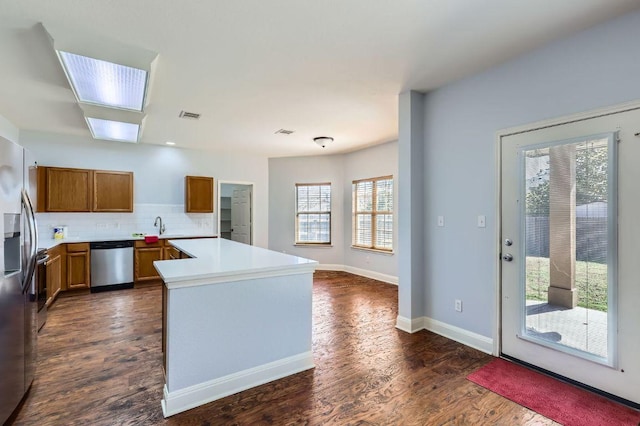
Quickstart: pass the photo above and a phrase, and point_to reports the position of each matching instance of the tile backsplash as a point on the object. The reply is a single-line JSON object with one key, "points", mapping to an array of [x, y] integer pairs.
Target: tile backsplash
{"points": [[85, 225]]}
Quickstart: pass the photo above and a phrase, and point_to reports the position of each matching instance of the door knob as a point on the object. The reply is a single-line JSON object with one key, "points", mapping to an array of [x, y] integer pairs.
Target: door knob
{"points": [[508, 242], [508, 257]]}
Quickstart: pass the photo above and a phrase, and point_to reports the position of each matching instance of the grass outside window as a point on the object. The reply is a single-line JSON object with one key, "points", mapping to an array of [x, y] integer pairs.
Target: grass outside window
{"points": [[591, 282]]}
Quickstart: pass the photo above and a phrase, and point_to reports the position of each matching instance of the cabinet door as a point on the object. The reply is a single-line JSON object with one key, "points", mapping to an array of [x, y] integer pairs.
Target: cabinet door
{"points": [[171, 253], [198, 194], [67, 190], [78, 270], [144, 258], [54, 277], [112, 191]]}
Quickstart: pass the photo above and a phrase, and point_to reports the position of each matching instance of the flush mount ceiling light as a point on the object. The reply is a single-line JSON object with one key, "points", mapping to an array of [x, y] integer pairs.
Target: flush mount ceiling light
{"points": [[106, 76], [323, 140]]}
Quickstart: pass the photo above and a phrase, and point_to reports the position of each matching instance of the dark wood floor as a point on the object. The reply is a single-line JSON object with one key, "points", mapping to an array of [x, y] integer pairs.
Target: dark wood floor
{"points": [[100, 364]]}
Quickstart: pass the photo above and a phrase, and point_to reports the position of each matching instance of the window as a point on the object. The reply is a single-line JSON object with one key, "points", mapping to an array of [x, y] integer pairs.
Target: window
{"points": [[373, 213], [313, 213]]}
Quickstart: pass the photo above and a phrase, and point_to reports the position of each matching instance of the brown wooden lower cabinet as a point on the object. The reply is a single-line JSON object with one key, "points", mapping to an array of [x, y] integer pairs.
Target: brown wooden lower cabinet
{"points": [[78, 266], [69, 265], [144, 256], [171, 252], [54, 273]]}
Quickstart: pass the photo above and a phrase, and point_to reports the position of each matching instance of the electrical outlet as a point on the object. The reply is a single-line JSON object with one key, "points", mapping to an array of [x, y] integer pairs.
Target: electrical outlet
{"points": [[482, 221], [458, 305], [367, 259], [440, 221]]}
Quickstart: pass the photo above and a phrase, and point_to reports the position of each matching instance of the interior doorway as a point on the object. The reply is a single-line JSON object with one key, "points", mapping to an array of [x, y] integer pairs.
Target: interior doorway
{"points": [[235, 211]]}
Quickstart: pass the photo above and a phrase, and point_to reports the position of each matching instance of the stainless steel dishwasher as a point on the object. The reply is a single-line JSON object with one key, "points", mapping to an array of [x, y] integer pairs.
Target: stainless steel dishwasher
{"points": [[111, 265]]}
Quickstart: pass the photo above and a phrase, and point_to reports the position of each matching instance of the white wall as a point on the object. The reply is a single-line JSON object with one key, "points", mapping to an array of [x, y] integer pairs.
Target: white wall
{"points": [[158, 171], [8, 130], [340, 170], [592, 69]]}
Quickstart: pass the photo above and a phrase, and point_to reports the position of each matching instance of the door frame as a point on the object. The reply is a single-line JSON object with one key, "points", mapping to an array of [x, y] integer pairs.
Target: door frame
{"points": [[237, 182], [510, 131]]}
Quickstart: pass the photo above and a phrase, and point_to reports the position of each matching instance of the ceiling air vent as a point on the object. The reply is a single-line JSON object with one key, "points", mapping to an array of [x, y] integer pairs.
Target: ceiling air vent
{"points": [[189, 115], [284, 131]]}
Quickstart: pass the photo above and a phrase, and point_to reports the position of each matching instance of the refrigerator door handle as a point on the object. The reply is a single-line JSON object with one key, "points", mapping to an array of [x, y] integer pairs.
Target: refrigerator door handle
{"points": [[33, 235]]}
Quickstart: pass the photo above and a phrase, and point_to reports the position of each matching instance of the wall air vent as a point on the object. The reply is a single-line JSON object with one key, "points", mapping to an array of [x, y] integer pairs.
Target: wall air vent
{"points": [[189, 115], [284, 131]]}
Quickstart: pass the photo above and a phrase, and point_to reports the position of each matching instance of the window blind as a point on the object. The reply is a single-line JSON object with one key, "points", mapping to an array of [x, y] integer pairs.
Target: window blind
{"points": [[373, 213], [313, 213]]}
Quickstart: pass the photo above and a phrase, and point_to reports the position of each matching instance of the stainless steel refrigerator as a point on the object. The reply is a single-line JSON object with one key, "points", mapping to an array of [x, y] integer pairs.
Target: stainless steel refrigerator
{"points": [[18, 294]]}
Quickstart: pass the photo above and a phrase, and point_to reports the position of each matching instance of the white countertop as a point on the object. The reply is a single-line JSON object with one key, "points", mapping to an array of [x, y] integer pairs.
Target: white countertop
{"points": [[48, 243], [217, 260]]}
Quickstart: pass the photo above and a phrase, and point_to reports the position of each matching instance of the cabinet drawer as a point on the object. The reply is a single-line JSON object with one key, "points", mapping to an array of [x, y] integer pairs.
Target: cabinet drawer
{"points": [[76, 247], [142, 244]]}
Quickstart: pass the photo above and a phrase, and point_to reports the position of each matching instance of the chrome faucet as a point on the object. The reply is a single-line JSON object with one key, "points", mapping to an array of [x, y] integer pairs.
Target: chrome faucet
{"points": [[155, 223]]}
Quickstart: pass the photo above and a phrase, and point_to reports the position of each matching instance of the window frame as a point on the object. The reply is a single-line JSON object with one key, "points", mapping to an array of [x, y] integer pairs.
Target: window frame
{"points": [[373, 214], [297, 242]]}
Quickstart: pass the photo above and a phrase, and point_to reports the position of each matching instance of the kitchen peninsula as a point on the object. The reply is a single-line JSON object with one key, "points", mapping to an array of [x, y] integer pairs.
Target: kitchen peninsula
{"points": [[235, 316]]}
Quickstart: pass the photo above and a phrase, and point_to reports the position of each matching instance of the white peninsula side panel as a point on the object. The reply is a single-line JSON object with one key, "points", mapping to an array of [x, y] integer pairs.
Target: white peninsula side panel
{"points": [[236, 317]]}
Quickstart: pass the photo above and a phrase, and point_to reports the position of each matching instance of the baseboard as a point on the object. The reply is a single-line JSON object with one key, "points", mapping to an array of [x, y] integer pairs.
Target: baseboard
{"points": [[390, 279], [202, 393], [466, 337], [329, 267], [410, 325], [460, 335]]}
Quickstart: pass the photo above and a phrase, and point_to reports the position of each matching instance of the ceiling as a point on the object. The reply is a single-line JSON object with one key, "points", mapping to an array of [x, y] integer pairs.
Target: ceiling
{"points": [[252, 67]]}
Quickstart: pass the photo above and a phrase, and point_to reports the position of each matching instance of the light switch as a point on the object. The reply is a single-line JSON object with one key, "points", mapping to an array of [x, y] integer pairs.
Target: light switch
{"points": [[482, 221], [440, 220]]}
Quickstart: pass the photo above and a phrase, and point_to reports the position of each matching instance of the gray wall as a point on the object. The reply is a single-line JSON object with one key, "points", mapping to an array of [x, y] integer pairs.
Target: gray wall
{"points": [[592, 69], [284, 173], [159, 171], [340, 170], [381, 160]]}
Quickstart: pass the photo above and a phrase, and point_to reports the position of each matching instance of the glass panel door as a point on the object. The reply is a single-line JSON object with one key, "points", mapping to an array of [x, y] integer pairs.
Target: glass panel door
{"points": [[568, 277], [569, 292]]}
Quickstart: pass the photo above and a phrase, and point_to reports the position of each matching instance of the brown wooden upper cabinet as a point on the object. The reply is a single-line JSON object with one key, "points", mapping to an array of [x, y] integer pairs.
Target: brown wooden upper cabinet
{"points": [[198, 194], [112, 191], [82, 190], [65, 190]]}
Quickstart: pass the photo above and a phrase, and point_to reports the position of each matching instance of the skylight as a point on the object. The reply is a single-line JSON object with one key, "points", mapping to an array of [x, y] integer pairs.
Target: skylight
{"points": [[113, 130], [105, 83]]}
